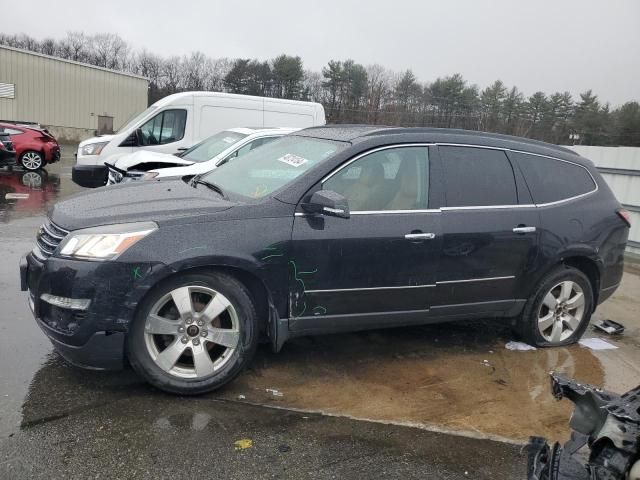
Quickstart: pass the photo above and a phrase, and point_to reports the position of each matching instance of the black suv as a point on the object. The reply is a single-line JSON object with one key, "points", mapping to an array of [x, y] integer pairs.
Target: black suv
{"points": [[327, 230]]}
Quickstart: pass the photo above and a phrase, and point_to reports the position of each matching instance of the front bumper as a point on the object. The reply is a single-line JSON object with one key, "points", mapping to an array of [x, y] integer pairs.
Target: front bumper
{"points": [[92, 337]]}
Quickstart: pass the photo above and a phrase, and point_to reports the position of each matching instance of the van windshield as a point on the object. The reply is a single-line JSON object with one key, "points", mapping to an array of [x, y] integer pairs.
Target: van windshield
{"points": [[272, 166], [212, 146], [133, 121]]}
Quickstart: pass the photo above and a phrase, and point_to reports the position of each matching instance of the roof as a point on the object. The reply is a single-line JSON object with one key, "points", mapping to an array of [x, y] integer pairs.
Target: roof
{"points": [[64, 60], [359, 133], [263, 130], [204, 93]]}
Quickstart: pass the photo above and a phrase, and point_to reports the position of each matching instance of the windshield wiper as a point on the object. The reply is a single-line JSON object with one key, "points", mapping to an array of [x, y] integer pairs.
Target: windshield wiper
{"points": [[212, 186]]}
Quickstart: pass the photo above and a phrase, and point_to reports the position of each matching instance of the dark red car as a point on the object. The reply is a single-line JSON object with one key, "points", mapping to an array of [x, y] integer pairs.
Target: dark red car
{"points": [[34, 147]]}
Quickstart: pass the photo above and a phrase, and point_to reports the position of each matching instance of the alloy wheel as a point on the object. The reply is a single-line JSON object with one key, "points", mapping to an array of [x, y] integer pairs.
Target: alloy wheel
{"points": [[32, 160], [192, 332], [561, 312]]}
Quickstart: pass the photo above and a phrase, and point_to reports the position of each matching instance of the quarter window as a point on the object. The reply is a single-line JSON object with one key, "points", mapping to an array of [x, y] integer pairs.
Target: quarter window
{"points": [[390, 179], [552, 180], [478, 177], [165, 127]]}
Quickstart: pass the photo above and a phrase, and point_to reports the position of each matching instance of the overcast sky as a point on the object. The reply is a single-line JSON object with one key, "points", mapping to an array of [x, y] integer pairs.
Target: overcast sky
{"points": [[548, 45]]}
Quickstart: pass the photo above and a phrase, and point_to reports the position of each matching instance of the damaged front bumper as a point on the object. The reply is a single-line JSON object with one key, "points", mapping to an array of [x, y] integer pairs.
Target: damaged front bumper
{"points": [[85, 309], [607, 424]]}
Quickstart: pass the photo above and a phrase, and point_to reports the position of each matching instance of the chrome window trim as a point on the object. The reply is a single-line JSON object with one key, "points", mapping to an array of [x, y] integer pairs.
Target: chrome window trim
{"points": [[461, 208], [445, 282], [383, 212], [369, 152], [504, 149]]}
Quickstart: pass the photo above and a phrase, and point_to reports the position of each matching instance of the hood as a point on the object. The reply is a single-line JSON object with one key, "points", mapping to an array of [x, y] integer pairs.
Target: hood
{"points": [[129, 161], [101, 138], [136, 202]]}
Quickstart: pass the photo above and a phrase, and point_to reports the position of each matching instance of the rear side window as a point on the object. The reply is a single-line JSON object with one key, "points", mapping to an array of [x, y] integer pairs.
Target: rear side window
{"points": [[552, 180], [478, 177]]}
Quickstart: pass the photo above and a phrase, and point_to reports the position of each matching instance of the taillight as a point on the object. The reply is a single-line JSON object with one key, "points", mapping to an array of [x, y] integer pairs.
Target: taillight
{"points": [[45, 139], [624, 215]]}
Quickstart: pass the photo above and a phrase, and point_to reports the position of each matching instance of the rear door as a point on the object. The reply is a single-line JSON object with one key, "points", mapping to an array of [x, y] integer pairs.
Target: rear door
{"points": [[489, 226], [377, 267]]}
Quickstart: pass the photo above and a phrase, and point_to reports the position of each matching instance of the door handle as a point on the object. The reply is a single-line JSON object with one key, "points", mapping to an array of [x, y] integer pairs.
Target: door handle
{"points": [[524, 229], [420, 236]]}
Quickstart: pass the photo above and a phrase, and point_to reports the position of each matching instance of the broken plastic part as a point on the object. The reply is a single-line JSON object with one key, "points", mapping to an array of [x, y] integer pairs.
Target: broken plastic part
{"points": [[608, 423]]}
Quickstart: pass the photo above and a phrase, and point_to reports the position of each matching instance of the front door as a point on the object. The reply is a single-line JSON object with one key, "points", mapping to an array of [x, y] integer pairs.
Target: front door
{"points": [[167, 131], [378, 266], [489, 237]]}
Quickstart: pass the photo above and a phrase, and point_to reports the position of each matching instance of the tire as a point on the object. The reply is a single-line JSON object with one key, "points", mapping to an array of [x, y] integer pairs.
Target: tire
{"points": [[32, 160], [219, 306], [543, 315]]}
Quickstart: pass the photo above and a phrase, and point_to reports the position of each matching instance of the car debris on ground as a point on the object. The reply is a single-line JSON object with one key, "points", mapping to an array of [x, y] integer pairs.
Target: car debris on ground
{"points": [[609, 326], [519, 346], [596, 343], [604, 423]]}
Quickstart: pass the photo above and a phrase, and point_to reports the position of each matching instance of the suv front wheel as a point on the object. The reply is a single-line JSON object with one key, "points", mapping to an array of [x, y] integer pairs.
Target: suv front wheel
{"points": [[559, 311], [194, 333]]}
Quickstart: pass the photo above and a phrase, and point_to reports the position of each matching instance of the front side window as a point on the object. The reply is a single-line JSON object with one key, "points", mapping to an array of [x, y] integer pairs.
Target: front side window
{"points": [[552, 180], [166, 127], [478, 177], [272, 166], [389, 179], [213, 146]]}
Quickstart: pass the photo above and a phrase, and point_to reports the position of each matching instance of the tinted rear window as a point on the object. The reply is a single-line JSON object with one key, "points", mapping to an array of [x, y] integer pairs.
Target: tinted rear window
{"points": [[478, 177], [551, 180]]}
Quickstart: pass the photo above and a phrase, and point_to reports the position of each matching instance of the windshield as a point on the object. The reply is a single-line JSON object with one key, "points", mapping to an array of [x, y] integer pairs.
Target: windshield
{"points": [[212, 146], [272, 166], [136, 119]]}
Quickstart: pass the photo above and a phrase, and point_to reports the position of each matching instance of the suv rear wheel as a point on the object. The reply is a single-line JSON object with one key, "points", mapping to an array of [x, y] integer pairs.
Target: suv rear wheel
{"points": [[559, 311], [194, 333]]}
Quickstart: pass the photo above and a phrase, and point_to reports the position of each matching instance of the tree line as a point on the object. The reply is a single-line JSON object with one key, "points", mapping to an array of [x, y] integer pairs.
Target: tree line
{"points": [[355, 93]]}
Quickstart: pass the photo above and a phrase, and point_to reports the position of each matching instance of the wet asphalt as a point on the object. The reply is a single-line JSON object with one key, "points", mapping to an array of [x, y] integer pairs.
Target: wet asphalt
{"points": [[443, 401]]}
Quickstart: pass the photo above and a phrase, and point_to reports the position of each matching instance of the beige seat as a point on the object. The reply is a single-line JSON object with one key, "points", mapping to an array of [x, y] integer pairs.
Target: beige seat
{"points": [[367, 192], [406, 198]]}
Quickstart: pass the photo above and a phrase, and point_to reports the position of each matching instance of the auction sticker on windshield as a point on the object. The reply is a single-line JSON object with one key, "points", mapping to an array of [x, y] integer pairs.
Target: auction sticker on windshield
{"points": [[229, 140], [293, 160]]}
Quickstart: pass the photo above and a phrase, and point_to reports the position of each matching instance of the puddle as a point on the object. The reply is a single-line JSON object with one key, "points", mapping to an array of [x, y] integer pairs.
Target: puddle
{"points": [[456, 376]]}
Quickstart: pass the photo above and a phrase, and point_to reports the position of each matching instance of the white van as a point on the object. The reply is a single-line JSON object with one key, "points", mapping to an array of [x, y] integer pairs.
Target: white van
{"points": [[177, 122]]}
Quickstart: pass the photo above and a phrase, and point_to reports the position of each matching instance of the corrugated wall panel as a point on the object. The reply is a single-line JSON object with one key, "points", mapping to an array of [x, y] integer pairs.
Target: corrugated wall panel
{"points": [[67, 94]]}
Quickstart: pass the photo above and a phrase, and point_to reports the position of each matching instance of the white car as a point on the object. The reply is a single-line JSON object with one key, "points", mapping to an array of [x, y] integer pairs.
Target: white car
{"points": [[201, 158]]}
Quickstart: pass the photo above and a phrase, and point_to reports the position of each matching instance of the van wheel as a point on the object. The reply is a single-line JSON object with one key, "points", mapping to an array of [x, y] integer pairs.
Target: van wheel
{"points": [[559, 311], [31, 160], [194, 333]]}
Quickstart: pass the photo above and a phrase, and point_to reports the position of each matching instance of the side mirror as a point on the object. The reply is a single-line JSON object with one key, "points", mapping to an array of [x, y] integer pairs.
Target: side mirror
{"points": [[133, 140], [327, 202]]}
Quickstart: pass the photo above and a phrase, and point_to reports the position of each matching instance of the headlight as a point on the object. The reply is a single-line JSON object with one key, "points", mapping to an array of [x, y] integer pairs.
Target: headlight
{"points": [[150, 175], [93, 148], [104, 243]]}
